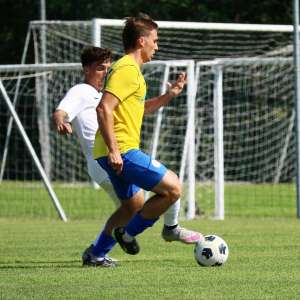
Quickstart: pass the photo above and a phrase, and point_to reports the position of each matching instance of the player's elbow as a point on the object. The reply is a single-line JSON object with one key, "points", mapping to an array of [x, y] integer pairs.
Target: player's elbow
{"points": [[100, 110]]}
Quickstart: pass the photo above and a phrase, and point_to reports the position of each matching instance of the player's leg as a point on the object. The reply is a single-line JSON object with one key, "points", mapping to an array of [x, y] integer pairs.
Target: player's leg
{"points": [[167, 192], [125, 212], [109, 189], [99, 175], [96, 255], [174, 232], [150, 175]]}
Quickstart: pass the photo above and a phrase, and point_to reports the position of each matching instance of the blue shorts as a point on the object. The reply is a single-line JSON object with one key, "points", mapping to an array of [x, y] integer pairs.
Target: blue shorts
{"points": [[139, 171]]}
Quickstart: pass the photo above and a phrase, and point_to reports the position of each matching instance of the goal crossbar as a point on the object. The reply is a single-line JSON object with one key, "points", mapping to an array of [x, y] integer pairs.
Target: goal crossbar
{"points": [[245, 61], [206, 26]]}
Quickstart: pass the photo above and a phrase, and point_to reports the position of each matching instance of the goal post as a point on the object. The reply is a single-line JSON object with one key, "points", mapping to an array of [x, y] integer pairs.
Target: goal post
{"points": [[33, 154], [201, 42], [182, 142], [169, 139], [250, 120], [218, 142]]}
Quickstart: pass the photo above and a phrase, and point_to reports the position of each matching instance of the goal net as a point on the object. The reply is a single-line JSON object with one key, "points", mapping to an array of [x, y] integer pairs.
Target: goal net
{"points": [[61, 41], [35, 91], [256, 151], [230, 170]]}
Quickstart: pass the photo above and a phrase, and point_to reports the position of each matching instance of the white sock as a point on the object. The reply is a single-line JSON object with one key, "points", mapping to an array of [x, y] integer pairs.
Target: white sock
{"points": [[127, 237], [172, 214]]}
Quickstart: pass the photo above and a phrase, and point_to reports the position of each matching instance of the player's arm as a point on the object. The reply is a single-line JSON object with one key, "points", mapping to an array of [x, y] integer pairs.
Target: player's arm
{"points": [[105, 118], [174, 90], [60, 123]]}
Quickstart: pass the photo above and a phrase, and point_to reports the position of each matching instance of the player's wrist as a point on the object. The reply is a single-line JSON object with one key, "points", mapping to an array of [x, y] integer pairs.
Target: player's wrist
{"points": [[113, 150], [170, 94]]}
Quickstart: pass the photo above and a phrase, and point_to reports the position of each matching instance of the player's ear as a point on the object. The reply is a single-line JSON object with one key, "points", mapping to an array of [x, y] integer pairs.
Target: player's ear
{"points": [[141, 42], [85, 70]]}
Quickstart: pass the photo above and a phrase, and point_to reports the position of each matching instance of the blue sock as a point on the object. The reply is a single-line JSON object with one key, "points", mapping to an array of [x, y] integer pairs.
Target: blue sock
{"points": [[104, 244], [138, 224]]}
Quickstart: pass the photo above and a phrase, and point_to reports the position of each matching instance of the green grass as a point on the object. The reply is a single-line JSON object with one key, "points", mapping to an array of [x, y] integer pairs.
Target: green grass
{"points": [[262, 200], [40, 259], [40, 256], [25, 199]]}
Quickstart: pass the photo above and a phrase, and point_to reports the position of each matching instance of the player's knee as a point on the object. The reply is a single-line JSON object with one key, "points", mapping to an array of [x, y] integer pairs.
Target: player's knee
{"points": [[174, 193], [138, 206], [134, 204], [172, 189]]}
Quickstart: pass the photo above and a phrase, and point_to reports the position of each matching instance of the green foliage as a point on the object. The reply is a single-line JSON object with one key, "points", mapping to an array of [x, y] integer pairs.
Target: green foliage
{"points": [[15, 15]]}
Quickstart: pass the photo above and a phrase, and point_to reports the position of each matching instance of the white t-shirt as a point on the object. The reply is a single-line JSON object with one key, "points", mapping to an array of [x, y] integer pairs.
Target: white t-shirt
{"points": [[80, 104]]}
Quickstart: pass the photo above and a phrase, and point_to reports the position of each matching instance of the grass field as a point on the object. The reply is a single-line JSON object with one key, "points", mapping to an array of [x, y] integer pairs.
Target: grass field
{"points": [[82, 201], [40, 256], [41, 260]]}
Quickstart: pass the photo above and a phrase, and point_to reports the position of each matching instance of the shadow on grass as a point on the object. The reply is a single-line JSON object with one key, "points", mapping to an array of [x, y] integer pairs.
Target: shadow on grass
{"points": [[76, 264], [41, 264]]}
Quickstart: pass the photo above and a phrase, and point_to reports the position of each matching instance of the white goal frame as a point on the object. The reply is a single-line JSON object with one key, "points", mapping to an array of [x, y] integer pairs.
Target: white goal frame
{"points": [[217, 66], [14, 116], [95, 27], [187, 158], [218, 97], [97, 23]]}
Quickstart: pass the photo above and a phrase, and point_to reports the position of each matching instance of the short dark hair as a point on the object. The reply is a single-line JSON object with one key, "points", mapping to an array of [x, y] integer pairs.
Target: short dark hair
{"points": [[135, 27], [93, 54]]}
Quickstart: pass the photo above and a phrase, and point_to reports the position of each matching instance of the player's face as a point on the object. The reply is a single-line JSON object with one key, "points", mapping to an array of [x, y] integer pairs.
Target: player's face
{"points": [[149, 45], [96, 73]]}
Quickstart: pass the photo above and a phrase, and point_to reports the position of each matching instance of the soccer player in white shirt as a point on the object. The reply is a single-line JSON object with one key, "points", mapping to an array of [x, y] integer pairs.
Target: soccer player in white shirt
{"points": [[79, 108]]}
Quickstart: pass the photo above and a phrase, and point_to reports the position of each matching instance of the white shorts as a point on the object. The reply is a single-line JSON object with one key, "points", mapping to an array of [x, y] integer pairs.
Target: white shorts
{"points": [[96, 172]]}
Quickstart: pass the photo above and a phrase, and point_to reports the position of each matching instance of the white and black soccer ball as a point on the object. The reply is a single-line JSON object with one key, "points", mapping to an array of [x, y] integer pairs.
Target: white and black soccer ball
{"points": [[211, 251]]}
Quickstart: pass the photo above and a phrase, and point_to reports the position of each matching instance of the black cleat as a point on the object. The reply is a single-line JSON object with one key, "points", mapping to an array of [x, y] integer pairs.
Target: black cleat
{"points": [[132, 247], [90, 260], [86, 254]]}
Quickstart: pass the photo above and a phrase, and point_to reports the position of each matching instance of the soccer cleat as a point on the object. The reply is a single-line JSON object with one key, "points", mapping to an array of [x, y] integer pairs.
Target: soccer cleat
{"points": [[181, 234], [86, 254], [132, 247], [90, 260]]}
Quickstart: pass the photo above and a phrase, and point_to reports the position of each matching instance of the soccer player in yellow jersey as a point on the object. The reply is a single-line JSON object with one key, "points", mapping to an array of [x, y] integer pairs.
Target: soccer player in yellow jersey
{"points": [[116, 148]]}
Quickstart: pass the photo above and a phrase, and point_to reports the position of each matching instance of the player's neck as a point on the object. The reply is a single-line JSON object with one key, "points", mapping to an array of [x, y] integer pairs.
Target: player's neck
{"points": [[93, 84], [136, 55]]}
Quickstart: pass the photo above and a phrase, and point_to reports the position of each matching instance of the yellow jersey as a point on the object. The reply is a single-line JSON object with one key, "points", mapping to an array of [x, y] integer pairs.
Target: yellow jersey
{"points": [[126, 82]]}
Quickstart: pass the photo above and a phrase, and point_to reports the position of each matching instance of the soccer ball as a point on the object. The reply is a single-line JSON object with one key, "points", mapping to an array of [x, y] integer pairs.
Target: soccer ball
{"points": [[211, 251]]}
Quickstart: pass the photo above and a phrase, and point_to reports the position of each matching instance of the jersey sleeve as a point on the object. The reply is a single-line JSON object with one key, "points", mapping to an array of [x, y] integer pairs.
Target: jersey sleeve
{"points": [[122, 82], [72, 104]]}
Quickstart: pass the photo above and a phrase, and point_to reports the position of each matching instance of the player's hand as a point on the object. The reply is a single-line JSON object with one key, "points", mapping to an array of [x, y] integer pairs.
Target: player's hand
{"points": [[116, 161], [175, 88], [64, 128]]}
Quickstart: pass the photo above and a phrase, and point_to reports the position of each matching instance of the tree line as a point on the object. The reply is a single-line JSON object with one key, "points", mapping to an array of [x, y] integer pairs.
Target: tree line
{"points": [[16, 15]]}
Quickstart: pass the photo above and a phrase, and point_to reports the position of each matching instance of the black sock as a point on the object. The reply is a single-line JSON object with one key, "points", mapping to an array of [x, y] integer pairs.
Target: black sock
{"points": [[171, 227]]}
